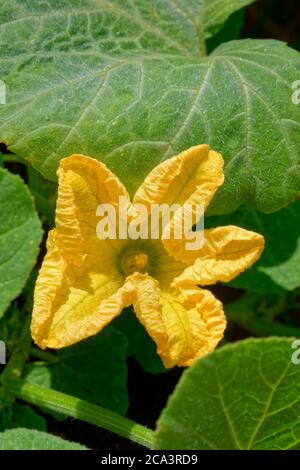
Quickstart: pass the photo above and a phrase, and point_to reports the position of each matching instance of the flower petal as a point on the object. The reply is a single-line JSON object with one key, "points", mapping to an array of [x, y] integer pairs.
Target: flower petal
{"points": [[184, 326], [193, 176], [227, 251], [72, 303], [204, 303], [84, 184], [147, 308]]}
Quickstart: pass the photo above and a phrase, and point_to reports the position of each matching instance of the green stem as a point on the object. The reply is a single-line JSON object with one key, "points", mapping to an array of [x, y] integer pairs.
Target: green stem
{"points": [[13, 159], [43, 355], [202, 42], [80, 409], [201, 32]]}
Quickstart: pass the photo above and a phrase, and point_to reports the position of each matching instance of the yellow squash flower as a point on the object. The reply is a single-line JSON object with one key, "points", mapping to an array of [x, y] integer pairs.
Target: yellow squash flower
{"points": [[85, 282]]}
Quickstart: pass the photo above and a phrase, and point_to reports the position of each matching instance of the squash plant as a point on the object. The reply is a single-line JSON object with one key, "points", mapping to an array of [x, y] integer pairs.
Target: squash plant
{"points": [[132, 83]]}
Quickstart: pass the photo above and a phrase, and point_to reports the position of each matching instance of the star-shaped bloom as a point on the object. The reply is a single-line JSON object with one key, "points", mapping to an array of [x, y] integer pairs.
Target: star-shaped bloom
{"points": [[85, 282]]}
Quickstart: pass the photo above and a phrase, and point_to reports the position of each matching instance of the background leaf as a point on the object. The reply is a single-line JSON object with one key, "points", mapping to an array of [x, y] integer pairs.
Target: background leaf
{"points": [[264, 314], [231, 30], [140, 345], [20, 235], [94, 370], [45, 194], [128, 86], [11, 327], [25, 439], [242, 396], [216, 12], [21, 416], [278, 269]]}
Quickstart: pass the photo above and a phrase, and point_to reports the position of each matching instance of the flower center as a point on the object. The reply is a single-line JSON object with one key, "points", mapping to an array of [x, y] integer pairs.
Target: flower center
{"points": [[135, 262]]}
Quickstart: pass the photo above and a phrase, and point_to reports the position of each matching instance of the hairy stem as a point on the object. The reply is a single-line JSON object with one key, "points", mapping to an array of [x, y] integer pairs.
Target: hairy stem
{"points": [[80, 409]]}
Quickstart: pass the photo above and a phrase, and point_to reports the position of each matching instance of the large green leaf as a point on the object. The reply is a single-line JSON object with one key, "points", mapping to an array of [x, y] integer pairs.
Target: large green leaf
{"points": [[278, 269], [124, 82], [20, 234], [26, 439], [94, 370], [242, 396]]}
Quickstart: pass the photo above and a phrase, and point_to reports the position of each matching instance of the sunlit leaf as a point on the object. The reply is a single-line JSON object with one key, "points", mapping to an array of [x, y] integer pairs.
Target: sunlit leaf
{"points": [[131, 86]]}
